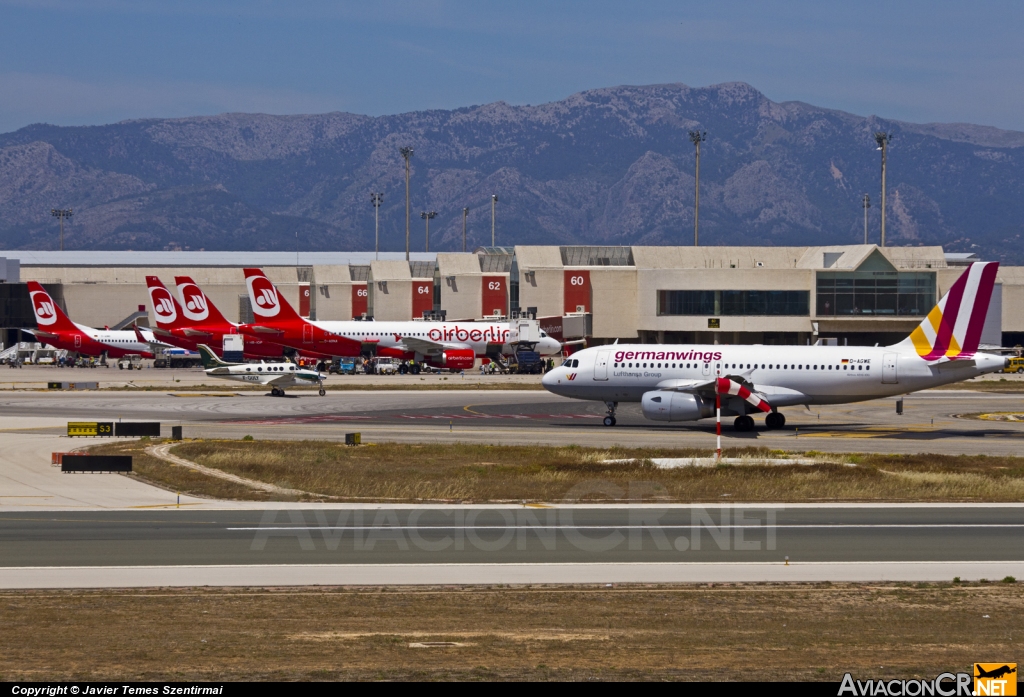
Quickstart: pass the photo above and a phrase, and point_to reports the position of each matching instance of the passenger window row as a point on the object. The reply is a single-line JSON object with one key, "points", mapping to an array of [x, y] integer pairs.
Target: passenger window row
{"points": [[740, 366]]}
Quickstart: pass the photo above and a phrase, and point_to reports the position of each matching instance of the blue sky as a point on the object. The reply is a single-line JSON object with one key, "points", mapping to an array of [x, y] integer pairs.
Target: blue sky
{"points": [[79, 62]]}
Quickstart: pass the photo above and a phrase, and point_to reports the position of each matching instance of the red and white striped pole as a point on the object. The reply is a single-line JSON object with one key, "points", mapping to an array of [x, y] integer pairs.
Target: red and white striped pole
{"points": [[718, 425]]}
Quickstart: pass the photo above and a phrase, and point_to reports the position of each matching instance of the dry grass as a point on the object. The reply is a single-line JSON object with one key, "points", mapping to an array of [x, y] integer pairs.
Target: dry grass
{"points": [[756, 632], [476, 473]]}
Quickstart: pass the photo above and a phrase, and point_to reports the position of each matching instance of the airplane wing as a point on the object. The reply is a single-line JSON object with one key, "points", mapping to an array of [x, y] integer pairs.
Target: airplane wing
{"points": [[265, 330], [154, 346], [431, 348], [40, 334]]}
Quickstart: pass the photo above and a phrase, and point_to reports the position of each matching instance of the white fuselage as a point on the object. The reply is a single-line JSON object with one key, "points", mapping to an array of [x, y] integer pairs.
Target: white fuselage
{"points": [[480, 336], [124, 340], [785, 375], [280, 374]]}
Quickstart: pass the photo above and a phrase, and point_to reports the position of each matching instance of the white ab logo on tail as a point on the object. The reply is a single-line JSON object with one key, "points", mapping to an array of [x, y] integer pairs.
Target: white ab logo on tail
{"points": [[193, 303], [163, 305], [43, 306], [264, 297]]}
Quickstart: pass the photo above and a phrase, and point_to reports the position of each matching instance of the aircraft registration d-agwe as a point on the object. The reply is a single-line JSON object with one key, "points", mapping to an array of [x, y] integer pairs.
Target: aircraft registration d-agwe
{"points": [[277, 375], [56, 329], [680, 382], [196, 320], [454, 345]]}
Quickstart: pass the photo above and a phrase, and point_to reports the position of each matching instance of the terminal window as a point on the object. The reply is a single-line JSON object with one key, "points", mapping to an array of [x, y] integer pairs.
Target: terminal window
{"points": [[875, 293], [734, 302]]}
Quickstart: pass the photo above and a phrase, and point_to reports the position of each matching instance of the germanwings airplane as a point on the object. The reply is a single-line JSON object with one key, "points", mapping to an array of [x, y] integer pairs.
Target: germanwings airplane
{"points": [[196, 320], [680, 382], [454, 345], [56, 329]]}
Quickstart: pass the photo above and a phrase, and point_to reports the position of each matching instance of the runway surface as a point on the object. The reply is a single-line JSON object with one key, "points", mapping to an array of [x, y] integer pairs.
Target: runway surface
{"points": [[509, 545], [928, 424]]}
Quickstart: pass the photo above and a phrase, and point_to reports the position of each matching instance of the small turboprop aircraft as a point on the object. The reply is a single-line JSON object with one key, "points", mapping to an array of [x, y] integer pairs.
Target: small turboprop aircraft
{"points": [[277, 375]]}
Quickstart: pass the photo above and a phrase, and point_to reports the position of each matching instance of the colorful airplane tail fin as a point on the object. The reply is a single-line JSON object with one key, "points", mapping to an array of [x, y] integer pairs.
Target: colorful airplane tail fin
{"points": [[209, 358], [48, 313], [953, 328], [195, 306], [166, 310], [268, 305]]}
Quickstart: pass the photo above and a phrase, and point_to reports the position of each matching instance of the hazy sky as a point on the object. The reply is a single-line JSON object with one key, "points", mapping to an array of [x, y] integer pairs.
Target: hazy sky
{"points": [[97, 61]]}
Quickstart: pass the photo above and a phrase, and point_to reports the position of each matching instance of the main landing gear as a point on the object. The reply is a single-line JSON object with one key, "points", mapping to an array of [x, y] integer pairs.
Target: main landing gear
{"points": [[610, 419], [743, 423], [774, 421], [276, 392]]}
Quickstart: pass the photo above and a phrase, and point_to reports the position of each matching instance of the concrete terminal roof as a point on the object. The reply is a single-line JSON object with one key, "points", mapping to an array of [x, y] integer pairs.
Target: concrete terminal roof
{"points": [[202, 258]]}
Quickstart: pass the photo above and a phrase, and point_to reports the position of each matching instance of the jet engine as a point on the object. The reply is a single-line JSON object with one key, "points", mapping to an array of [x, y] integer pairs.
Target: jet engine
{"points": [[668, 405], [456, 359]]}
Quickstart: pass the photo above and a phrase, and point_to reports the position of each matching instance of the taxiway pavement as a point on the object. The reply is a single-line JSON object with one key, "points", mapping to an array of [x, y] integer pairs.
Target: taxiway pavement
{"points": [[932, 420]]}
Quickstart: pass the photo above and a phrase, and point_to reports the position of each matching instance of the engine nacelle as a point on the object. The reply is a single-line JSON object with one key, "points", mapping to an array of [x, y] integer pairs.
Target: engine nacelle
{"points": [[455, 359], [668, 405]]}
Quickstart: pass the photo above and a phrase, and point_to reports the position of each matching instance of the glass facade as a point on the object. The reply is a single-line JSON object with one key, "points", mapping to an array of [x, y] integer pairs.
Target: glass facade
{"points": [[735, 302], [875, 293]]}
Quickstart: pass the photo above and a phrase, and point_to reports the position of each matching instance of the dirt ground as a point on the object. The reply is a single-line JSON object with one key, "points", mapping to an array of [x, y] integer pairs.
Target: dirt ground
{"points": [[753, 632], [478, 473]]}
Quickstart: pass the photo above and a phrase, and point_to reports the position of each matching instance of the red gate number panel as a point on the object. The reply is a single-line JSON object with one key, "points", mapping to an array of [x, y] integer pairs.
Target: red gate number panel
{"points": [[304, 300], [577, 291], [422, 297], [494, 294], [359, 300]]}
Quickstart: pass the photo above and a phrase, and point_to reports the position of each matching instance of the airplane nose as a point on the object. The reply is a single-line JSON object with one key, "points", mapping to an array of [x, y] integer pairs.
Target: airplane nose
{"points": [[549, 379]]}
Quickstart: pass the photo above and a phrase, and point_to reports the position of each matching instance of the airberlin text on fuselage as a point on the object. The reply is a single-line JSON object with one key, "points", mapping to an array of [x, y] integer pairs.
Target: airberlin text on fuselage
{"points": [[457, 333], [668, 356]]}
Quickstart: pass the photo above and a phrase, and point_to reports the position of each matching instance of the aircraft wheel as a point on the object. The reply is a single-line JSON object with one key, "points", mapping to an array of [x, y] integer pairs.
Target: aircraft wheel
{"points": [[774, 420], [322, 392], [743, 423], [609, 421]]}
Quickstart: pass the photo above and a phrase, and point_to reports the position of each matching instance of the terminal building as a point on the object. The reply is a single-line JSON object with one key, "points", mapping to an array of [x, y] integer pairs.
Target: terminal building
{"points": [[858, 294]]}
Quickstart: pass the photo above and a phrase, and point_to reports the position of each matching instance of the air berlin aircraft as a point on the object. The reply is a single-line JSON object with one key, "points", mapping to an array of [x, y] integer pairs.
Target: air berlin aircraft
{"points": [[56, 329], [680, 382], [196, 320], [454, 345]]}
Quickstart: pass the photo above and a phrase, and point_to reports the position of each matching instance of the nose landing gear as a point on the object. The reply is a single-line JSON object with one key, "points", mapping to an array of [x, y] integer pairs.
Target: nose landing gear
{"points": [[610, 419]]}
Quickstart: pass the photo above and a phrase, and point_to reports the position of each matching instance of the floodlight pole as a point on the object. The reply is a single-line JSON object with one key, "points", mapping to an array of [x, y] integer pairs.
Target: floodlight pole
{"points": [[697, 137], [494, 202], [465, 215], [376, 199], [428, 216], [406, 153], [867, 205], [883, 138], [60, 214]]}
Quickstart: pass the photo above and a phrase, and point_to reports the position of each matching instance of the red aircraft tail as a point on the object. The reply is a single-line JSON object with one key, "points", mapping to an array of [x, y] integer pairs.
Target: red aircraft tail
{"points": [[195, 306], [166, 309], [268, 305], [49, 316]]}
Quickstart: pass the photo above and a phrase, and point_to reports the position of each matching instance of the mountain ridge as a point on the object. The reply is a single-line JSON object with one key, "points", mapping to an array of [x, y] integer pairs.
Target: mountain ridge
{"points": [[612, 165]]}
